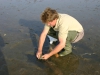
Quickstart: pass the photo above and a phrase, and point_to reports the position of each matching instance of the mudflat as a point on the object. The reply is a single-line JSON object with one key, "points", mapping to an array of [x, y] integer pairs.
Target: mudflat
{"points": [[20, 27]]}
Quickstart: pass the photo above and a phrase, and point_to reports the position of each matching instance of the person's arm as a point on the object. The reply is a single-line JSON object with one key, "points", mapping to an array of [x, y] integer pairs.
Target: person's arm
{"points": [[58, 48], [41, 42]]}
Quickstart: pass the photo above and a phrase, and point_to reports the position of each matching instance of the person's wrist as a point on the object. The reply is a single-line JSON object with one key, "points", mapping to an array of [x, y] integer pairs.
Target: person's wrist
{"points": [[39, 49], [50, 54]]}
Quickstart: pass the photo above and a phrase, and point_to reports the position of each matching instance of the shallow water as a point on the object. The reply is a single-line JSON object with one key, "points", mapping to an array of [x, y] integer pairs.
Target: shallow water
{"points": [[20, 27]]}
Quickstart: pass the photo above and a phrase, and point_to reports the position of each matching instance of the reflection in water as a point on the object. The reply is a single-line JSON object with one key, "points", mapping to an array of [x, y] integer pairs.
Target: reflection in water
{"points": [[63, 65], [3, 64]]}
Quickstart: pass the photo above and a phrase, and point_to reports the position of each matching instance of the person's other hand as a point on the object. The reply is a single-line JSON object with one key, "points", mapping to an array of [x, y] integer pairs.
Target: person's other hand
{"points": [[38, 54], [45, 56]]}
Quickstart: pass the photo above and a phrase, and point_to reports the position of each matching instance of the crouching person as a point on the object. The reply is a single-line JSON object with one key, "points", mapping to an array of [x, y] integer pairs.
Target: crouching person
{"points": [[64, 28]]}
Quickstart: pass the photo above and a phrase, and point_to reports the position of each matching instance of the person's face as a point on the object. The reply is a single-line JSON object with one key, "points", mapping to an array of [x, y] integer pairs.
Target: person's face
{"points": [[52, 23]]}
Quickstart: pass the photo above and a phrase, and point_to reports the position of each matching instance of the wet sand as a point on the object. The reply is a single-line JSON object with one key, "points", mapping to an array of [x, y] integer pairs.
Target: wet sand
{"points": [[20, 27]]}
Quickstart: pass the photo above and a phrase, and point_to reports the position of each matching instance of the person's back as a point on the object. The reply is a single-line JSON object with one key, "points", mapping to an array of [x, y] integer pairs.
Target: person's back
{"points": [[70, 22]]}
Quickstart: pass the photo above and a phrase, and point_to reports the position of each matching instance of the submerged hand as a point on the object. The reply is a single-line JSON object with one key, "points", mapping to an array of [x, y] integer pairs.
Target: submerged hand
{"points": [[45, 56], [38, 54]]}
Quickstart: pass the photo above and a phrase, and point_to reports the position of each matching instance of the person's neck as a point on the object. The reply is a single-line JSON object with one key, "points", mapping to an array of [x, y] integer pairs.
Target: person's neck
{"points": [[55, 23]]}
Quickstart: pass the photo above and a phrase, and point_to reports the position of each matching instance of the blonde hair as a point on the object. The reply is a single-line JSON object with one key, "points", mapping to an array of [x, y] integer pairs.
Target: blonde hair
{"points": [[49, 15]]}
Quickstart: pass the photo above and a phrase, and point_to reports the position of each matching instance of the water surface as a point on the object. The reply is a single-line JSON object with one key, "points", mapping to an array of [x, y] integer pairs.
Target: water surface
{"points": [[20, 27]]}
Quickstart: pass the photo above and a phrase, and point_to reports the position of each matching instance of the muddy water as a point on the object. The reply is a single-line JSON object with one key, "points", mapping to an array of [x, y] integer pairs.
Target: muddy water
{"points": [[20, 27]]}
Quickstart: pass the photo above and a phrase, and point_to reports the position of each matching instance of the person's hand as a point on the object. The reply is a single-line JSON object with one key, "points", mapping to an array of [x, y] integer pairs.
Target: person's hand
{"points": [[45, 56], [38, 54]]}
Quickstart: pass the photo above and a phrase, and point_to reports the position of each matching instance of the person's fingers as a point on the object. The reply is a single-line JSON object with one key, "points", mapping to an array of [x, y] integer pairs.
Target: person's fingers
{"points": [[44, 57], [38, 55]]}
